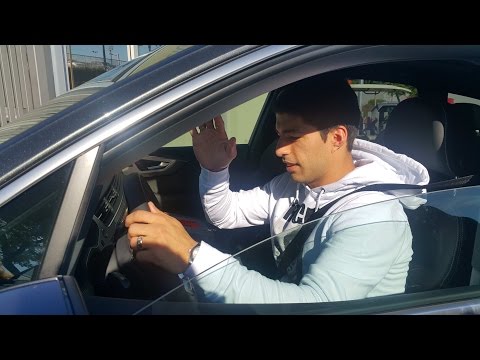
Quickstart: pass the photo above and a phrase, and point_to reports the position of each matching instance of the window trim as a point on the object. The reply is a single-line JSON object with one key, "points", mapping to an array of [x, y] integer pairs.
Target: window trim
{"points": [[65, 223]]}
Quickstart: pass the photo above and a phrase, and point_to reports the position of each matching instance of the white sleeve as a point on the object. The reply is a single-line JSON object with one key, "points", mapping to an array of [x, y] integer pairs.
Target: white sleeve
{"points": [[227, 209]]}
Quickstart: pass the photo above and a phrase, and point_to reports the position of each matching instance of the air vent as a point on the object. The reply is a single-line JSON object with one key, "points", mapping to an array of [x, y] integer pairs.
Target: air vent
{"points": [[109, 204]]}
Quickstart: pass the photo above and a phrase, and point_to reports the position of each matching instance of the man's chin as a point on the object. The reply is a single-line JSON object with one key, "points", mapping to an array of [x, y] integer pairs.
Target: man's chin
{"points": [[296, 177]]}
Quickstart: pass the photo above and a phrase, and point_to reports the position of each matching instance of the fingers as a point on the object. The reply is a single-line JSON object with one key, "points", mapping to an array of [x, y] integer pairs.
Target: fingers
{"points": [[139, 229], [209, 125], [148, 234], [196, 131], [145, 256], [216, 123], [142, 216], [219, 123], [231, 147], [134, 242], [153, 208]]}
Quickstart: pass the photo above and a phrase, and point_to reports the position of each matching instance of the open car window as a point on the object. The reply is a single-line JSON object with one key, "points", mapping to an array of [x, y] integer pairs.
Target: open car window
{"points": [[443, 226], [239, 121]]}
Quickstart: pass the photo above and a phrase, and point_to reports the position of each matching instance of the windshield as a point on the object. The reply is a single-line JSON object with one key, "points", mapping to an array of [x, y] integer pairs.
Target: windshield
{"points": [[369, 226], [68, 99], [115, 73]]}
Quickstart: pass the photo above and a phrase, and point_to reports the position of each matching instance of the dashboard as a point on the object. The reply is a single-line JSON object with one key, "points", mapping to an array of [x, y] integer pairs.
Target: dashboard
{"points": [[107, 242]]}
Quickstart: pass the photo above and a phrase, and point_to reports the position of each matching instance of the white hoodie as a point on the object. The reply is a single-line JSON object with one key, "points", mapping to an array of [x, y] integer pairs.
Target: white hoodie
{"points": [[349, 255]]}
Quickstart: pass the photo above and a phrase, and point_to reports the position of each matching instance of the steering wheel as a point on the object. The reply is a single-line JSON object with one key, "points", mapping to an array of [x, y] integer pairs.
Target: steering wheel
{"points": [[145, 279]]}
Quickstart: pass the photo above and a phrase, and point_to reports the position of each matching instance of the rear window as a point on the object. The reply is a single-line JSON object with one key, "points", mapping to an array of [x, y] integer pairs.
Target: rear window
{"points": [[376, 101]]}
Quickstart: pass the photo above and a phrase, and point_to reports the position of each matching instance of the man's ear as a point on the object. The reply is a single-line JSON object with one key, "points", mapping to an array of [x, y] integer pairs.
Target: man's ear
{"points": [[339, 136]]}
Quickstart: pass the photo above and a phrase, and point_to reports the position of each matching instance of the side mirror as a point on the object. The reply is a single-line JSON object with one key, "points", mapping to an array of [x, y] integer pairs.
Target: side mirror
{"points": [[53, 296]]}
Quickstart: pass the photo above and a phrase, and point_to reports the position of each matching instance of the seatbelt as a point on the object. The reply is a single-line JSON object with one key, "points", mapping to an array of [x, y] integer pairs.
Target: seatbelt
{"points": [[295, 246], [475, 275]]}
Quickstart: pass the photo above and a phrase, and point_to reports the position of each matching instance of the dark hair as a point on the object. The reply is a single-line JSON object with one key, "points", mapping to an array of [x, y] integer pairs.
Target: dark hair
{"points": [[324, 101]]}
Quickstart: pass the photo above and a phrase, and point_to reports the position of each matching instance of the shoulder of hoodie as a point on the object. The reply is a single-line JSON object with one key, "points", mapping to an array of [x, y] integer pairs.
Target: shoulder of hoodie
{"points": [[280, 184], [367, 208]]}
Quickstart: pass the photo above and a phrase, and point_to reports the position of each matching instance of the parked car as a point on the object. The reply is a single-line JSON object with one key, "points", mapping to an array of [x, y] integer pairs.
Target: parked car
{"points": [[73, 169]]}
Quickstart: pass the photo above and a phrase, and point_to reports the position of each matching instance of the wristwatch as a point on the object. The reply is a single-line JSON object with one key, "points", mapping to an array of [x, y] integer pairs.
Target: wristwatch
{"points": [[193, 253]]}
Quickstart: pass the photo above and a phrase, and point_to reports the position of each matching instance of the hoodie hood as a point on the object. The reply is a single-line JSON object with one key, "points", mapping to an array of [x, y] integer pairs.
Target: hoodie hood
{"points": [[374, 164], [370, 156]]}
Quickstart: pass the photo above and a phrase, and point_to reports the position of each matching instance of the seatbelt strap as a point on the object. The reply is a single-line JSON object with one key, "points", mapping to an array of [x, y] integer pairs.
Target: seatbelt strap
{"points": [[295, 246], [475, 276]]}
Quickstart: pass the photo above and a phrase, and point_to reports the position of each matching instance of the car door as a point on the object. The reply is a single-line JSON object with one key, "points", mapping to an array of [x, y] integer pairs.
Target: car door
{"points": [[438, 260]]}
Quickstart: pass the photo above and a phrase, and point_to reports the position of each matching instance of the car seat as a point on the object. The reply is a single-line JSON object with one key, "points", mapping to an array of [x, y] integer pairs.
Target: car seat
{"points": [[419, 128], [465, 129]]}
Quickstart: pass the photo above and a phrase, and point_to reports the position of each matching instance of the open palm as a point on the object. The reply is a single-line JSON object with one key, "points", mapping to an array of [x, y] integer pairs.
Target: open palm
{"points": [[213, 149]]}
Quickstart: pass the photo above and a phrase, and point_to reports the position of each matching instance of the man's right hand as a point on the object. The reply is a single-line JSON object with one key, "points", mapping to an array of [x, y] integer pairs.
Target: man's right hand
{"points": [[213, 149]]}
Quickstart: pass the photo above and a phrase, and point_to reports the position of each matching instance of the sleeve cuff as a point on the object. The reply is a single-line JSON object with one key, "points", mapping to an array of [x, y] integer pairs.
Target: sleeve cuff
{"points": [[213, 178], [208, 259]]}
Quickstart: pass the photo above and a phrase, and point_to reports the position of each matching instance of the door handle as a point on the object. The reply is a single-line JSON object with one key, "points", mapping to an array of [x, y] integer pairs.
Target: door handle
{"points": [[160, 166]]}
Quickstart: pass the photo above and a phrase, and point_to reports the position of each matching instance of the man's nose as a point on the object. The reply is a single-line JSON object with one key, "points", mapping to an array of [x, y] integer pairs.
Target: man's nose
{"points": [[282, 148]]}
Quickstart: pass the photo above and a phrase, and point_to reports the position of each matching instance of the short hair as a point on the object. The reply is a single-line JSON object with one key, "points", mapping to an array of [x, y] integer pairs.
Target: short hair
{"points": [[324, 101]]}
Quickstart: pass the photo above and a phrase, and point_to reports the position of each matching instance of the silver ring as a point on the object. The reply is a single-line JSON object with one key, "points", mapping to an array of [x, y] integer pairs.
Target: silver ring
{"points": [[139, 243]]}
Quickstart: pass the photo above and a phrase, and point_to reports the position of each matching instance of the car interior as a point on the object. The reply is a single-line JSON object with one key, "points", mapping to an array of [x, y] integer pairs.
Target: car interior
{"points": [[426, 127]]}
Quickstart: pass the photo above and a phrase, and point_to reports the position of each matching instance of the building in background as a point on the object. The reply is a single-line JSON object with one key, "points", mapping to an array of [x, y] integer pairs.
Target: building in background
{"points": [[31, 75]]}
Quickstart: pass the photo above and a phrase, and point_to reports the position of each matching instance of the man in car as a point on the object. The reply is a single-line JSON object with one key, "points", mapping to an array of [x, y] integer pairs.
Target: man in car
{"points": [[352, 254]]}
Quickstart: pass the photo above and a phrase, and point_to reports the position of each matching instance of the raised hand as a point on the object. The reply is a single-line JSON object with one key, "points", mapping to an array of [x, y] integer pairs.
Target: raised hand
{"points": [[213, 149]]}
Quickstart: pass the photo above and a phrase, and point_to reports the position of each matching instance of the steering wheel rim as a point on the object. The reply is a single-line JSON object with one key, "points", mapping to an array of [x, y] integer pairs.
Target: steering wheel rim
{"points": [[137, 194]]}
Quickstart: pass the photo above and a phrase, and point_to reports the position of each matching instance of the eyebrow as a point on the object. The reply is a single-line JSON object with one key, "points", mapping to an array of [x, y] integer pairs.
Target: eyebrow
{"points": [[289, 131]]}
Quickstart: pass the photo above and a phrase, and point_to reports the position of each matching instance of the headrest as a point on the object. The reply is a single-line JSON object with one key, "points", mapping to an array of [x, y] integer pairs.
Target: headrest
{"points": [[463, 138], [416, 128]]}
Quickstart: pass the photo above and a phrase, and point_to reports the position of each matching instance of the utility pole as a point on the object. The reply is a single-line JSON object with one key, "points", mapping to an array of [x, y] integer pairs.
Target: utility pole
{"points": [[110, 50], [72, 82], [104, 58]]}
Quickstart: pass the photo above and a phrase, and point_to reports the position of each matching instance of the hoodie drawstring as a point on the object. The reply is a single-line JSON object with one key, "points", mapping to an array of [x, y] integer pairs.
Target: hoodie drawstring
{"points": [[297, 197], [318, 199], [297, 192]]}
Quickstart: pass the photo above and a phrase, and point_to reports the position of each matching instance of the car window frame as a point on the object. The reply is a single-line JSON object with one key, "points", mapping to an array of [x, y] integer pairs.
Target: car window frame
{"points": [[72, 223], [62, 247]]}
